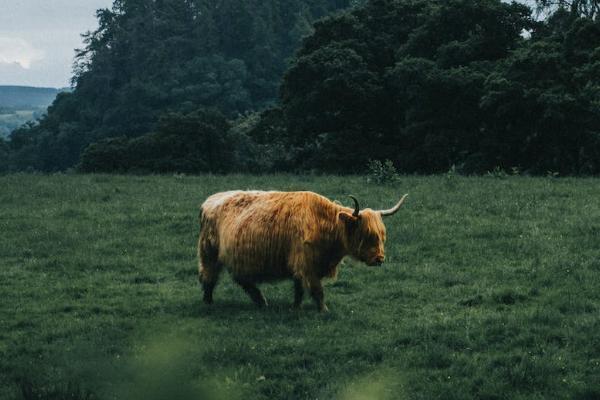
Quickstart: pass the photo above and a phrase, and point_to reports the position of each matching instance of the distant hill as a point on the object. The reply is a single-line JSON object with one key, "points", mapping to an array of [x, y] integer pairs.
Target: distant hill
{"points": [[26, 97], [21, 104]]}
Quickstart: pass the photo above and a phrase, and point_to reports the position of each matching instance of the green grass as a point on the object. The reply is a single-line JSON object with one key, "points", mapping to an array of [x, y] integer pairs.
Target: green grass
{"points": [[491, 291]]}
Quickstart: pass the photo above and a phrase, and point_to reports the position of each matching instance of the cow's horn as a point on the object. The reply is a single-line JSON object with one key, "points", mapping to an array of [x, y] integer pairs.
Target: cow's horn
{"points": [[356, 207], [391, 211]]}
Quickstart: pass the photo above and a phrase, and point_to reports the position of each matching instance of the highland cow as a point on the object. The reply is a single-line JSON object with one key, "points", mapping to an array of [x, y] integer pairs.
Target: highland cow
{"points": [[266, 236]]}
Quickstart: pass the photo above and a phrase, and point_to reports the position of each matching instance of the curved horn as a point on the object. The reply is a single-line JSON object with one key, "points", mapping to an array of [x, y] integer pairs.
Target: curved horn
{"points": [[391, 211], [356, 207]]}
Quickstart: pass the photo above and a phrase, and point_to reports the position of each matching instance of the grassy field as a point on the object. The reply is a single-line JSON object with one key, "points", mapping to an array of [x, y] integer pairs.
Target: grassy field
{"points": [[491, 291]]}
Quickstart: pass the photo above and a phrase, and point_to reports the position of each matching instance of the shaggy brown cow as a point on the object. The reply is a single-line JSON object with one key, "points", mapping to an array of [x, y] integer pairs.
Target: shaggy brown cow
{"points": [[264, 236]]}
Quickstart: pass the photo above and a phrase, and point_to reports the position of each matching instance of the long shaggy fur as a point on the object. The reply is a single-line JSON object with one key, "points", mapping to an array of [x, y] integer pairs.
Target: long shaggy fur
{"points": [[263, 236]]}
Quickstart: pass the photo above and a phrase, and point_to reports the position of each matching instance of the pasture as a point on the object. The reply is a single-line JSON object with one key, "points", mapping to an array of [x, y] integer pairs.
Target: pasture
{"points": [[491, 290]]}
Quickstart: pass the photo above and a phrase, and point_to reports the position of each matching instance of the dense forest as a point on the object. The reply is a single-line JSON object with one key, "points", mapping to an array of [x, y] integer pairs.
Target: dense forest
{"points": [[327, 85]]}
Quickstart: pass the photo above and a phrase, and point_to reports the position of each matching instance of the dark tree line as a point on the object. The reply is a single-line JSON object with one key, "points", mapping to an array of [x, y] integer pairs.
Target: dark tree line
{"points": [[474, 84], [430, 85]]}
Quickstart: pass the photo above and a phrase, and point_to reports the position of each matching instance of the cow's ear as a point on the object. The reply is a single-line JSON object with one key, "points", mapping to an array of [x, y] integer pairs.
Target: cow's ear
{"points": [[347, 217]]}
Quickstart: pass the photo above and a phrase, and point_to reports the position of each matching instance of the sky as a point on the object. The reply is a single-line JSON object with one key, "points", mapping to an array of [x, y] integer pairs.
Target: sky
{"points": [[38, 39]]}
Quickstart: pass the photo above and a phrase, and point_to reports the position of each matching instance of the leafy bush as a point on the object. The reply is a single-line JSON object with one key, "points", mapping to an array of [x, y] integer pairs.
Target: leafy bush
{"points": [[190, 143], [382, 172], [259, 142], [497, 173]]}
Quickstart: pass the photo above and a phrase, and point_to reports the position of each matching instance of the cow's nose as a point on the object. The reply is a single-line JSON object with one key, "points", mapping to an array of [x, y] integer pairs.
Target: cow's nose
{"points": [[379, 259]]}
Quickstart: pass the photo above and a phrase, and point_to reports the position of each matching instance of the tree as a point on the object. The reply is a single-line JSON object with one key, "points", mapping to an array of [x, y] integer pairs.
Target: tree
{"points": [[541, 104], [148, 58], [584, 8], [399, 80], [4, 161]]}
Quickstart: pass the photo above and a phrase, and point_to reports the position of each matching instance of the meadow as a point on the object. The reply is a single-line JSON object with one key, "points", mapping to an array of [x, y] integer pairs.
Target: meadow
{"points": [[491, 290]]}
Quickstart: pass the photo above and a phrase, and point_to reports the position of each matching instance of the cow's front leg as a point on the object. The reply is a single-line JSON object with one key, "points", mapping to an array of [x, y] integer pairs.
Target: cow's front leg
{"points": [[254, 293], [298, 292], [316, 291]]}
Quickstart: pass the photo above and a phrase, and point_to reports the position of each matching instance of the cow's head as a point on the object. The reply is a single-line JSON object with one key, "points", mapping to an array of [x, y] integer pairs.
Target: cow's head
{"points": [[365, 232]]}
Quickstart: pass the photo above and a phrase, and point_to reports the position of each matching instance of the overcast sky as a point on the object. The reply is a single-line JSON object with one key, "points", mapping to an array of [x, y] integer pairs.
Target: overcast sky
{"points": [[38, 38]]}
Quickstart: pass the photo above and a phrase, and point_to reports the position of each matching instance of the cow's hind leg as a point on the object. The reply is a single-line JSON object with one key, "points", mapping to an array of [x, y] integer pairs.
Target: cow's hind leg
{"points": [[209, 275], [298, 292], [208, 255], [254, 293], [209, 268]]}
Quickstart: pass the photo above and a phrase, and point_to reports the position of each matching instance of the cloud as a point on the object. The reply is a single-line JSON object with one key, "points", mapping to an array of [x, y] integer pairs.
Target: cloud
{"points": [[16, 50]]}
